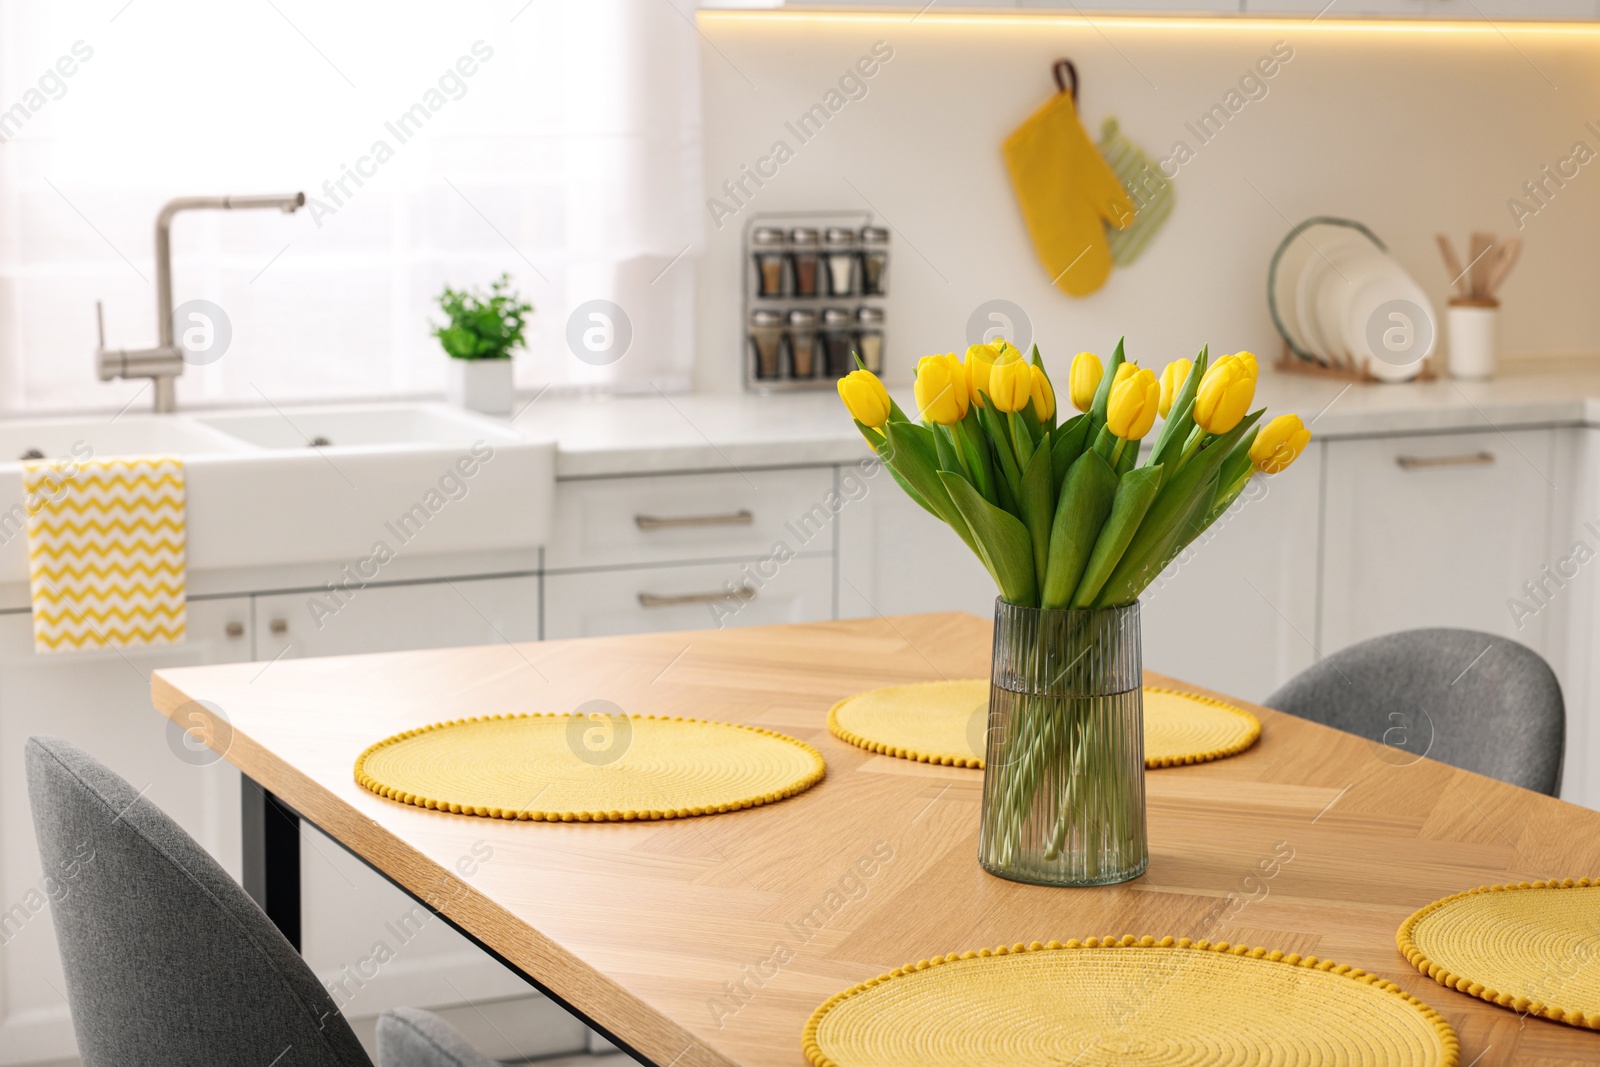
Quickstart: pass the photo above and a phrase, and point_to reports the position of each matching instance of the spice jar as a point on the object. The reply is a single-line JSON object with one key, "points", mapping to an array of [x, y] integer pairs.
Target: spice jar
{"points": [[874, 260], [803, 343], [839, 341], [767, 248], [766, 338], [805, 260], [869, 338], [839, 253]]}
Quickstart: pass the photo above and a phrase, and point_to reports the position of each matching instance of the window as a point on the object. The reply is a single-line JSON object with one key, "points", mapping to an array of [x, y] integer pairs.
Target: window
{"points": [[558, 141]]}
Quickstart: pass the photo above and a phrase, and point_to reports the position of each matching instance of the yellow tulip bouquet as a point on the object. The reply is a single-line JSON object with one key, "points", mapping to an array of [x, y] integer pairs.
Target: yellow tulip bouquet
{"points": [[1065, 516]]}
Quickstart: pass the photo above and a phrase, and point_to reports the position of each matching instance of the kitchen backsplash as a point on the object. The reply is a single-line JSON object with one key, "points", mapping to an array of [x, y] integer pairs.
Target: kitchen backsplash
{"points": [[1260, 125]]}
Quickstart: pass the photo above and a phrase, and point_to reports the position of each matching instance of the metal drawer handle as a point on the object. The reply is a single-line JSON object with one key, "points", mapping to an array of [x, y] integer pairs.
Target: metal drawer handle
{"points": [[742, 517], [1466, 459], [656, 600]]}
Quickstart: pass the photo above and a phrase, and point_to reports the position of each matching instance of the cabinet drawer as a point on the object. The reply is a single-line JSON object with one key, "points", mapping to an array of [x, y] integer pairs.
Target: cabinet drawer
{"points": [[697, 597], [609, 522], [1436, 531], [477, 611]]}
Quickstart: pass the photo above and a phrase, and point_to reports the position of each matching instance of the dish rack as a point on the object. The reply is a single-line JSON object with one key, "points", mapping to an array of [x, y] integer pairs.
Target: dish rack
{"points": [[814, 287]]}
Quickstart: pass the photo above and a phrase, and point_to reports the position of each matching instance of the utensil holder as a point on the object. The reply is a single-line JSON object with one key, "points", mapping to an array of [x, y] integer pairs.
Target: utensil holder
{"points": [[1474, 337]]}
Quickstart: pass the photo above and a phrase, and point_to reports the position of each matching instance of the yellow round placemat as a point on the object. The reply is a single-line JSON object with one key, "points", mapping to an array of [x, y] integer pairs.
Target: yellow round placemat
{"points": [[1119, 1001], [1529, 947], [557, 768], [946, 723]]}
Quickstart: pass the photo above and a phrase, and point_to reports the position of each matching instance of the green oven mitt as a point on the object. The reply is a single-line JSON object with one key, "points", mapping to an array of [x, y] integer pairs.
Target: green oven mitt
{"points": [[1068, 195]]}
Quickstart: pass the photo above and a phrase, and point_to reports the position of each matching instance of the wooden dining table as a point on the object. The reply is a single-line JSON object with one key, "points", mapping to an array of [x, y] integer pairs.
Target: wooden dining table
{"points": [[711, 940]]}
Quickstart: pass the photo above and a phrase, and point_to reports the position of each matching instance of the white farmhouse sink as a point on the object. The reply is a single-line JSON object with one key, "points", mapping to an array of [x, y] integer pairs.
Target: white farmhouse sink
{"points": [[423, 479], [56, 439], [387, 425]]}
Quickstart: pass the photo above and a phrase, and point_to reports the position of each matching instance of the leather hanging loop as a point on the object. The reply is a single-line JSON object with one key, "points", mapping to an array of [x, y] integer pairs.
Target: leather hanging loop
{"points": [[1065, 71]]}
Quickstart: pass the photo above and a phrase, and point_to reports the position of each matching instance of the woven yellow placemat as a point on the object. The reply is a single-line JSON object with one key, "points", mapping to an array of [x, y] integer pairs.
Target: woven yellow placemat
{"points": [[947, 722], [1118, 1001], [1529, 947], [571, 768]]}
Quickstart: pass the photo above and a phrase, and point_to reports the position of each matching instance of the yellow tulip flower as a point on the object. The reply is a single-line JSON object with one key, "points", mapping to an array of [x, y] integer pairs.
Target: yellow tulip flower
{"points": [[1135, 397], [1084, 379], [1173, 375], [1010, 382], [1279, 444], [941, 389], [979, 359], [1224, 396], [865, 398], [1044, 395], [1249, 360]]}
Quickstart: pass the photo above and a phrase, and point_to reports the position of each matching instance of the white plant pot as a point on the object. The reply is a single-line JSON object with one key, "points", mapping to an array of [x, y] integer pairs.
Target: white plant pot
{"points": [[1474, 341], [482, 385]]}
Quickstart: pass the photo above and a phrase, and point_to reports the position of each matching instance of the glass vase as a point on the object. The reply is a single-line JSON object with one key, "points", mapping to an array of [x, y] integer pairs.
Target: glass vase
{"points": [[1063, 784]]}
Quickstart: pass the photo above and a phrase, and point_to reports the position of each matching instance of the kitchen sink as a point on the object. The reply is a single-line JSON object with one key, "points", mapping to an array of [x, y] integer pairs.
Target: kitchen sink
{"points": [[317, 486], [381, 426], [79, 439]]}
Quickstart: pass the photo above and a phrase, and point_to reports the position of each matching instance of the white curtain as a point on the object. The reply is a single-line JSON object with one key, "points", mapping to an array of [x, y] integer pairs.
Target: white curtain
{"points": [[557, 140]]}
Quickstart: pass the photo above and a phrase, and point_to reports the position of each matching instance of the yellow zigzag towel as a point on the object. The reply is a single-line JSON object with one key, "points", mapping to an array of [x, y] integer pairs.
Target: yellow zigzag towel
{"points": [[106, 552]]}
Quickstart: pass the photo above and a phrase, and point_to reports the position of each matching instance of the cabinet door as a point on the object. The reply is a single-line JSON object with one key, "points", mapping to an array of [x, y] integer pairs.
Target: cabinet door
{"points": [[896, 559], [394, 618], [696, 597], [349, 909], [100, 701], [1237, 610], [1437, 531]]}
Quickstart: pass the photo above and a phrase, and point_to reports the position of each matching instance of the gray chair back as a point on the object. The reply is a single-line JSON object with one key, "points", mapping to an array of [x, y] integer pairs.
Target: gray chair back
{"points": [[1473, 700], [168, 962]]}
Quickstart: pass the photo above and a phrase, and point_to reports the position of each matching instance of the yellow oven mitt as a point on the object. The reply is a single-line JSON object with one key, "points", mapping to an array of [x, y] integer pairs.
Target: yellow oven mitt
{"points": [[1066, 189]]}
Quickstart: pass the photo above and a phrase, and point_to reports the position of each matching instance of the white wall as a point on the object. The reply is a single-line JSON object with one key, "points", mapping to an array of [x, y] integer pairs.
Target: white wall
{"points": [[1410, 130]]}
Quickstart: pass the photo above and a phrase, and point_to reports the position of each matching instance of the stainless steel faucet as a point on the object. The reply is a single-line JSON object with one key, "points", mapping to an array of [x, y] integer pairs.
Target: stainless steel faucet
{"points": [[163, 363]]}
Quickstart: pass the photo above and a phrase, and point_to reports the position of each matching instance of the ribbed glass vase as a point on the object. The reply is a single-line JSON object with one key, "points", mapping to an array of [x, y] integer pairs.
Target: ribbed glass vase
{"points": [[1063, 780]]}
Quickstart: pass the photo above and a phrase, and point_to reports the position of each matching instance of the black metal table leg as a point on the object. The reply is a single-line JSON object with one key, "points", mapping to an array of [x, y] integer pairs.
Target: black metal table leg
{"points": [[272, 858]]}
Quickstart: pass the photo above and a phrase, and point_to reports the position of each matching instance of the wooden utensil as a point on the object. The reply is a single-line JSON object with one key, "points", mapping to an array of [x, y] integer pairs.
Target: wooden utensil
{"points": [[1478, 269], [1504, 261], [1452, 263]]}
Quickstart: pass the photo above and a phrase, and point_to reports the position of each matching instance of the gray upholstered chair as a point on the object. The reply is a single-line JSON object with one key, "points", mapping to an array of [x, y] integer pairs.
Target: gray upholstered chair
{"points": [[1469, 699], [167, 960]]}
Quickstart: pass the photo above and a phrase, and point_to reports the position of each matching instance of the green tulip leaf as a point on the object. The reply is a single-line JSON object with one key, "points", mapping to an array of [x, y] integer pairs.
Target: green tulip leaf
{"points": [[1175, 431], [913, 456], [1085, 502], [1136, 491], [1038, 506], [1171, 522], [1102, 395], [1066, 445], [1000, 446], [1000, 539]]}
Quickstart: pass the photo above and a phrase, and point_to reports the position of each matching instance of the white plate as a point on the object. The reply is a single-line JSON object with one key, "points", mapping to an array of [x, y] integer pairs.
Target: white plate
{"points": [[1301, 251], [1350, 265], [1380, 287], [1322, 334]]}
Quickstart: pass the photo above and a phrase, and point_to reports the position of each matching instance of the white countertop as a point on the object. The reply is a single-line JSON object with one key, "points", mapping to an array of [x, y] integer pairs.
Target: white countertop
{"points": [[601, 436]]}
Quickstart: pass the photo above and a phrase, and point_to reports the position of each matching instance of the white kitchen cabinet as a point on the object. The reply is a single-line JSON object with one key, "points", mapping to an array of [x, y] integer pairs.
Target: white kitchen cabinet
{"points": [[1237, 610], [392, 618], [1439, 530], [610, 522], [348, 909], [896, 559], [702, 596], [100, 701]]}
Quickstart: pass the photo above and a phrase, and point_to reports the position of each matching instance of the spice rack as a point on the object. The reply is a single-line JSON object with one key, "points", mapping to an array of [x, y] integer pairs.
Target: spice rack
{"points": [[814, 289]]}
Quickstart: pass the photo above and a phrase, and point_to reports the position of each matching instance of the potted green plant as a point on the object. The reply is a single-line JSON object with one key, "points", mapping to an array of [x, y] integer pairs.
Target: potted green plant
{"points": [[481, 332]]}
